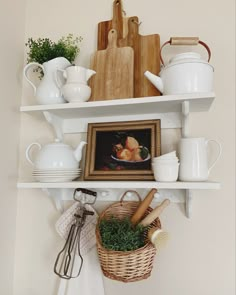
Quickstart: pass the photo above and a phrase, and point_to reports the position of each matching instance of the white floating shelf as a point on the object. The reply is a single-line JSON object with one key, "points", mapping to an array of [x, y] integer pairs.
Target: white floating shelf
{"points": [[178, 192], [199, 102], [122, 185]]}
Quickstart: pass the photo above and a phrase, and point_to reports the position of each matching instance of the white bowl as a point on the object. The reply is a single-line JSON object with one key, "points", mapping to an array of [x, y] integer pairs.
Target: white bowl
{"points": [[166, 172], [167, 156], [174, 160]]}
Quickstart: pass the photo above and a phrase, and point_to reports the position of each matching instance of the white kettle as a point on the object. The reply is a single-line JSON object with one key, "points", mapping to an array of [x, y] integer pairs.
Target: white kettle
{"points": [[76, 88], [55, 155], [186, 72]]}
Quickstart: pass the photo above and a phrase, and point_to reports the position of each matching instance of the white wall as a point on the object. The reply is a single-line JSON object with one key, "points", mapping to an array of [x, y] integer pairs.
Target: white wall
{"points": [[11, 54], [199, 258]]}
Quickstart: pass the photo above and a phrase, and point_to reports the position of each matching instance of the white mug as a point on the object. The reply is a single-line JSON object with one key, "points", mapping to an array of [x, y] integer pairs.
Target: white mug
{"points": [[193, 159]]}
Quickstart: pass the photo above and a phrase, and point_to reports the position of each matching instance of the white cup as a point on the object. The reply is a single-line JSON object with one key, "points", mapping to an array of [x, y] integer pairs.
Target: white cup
{"points": [[170, 155]]}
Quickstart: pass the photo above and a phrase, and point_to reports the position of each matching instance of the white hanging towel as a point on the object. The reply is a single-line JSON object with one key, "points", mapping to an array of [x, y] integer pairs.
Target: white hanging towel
{"points": [[90, 280]]}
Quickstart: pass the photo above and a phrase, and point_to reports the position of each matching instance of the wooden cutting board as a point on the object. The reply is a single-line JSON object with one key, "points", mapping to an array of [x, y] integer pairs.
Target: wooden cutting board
{"points": [[118, 22], [114, 71], [146, 57]]}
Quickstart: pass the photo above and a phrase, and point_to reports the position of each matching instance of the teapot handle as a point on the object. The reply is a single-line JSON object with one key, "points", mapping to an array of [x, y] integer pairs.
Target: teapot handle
{"points": [[27, 152], [219, 152], [185, 41], [25, 72]]}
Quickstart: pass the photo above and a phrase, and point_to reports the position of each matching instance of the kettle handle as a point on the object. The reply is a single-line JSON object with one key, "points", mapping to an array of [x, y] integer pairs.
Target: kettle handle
{"points": [[27, 152], [185, 41], [25, 72], [219, 152]]}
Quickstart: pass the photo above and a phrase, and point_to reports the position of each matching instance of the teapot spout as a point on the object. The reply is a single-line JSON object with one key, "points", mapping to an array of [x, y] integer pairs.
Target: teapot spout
{"points": [[78, 151], [155, 80], [89, 74]]}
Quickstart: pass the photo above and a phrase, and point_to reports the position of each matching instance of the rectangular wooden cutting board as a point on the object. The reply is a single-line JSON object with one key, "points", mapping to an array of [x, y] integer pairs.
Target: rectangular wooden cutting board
{"points": [[146, 57], [146, 48], [118, 23], [114, 71]]}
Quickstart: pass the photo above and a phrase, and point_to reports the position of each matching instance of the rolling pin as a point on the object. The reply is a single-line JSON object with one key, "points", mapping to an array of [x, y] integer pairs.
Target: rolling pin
{"points": [[155, 213], [143, 207]]}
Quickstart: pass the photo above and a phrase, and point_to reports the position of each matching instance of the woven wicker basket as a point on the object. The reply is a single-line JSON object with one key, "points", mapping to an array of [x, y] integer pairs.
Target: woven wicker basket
{"points": [[129, 266]]}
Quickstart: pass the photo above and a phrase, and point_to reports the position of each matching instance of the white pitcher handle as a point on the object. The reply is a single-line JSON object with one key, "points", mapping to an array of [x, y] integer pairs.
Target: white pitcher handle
{"points": [[59, 85], [27, 152], [25, 72], [219, 152]]}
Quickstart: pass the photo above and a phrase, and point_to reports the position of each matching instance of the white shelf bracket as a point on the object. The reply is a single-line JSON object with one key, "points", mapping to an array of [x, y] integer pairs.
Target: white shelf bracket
{"points": [[58, 195], [188, 202], [185, 119], [56, 122]]}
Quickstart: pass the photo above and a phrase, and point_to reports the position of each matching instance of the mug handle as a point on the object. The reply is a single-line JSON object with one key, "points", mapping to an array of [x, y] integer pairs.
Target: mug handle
{"points": [[27, 152], [25, 72], [219, 153]]}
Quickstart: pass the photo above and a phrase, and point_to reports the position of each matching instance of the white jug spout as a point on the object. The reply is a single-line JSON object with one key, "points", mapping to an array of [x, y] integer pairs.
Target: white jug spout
{"points": [[78, 151], [89, 74], [155, 80]]}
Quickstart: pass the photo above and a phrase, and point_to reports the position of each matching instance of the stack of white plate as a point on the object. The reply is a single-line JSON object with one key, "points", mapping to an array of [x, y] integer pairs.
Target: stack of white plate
{"points": [[56, 175]]}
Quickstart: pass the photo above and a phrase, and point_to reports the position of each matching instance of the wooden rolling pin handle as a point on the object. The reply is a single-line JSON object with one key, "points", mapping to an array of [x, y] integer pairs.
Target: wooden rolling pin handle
{"points": [[143, 207], [155, 213]]}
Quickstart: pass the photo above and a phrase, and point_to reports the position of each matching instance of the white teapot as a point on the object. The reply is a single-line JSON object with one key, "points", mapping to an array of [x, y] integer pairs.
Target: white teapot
{"points": [[55, 155], [76, 89], [186, 72]]}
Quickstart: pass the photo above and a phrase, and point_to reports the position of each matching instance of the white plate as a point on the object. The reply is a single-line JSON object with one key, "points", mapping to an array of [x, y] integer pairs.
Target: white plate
{"points": [[55, 175], [55, 179], [56, 170]]}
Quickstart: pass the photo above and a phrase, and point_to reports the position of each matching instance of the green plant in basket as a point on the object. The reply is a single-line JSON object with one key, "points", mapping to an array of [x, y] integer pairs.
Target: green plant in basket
{"points": [[121, 235]]}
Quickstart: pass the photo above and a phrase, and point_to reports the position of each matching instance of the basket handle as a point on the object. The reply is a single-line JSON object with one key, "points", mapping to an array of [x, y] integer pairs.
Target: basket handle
{"points": [[129, 191], [185, 41]]}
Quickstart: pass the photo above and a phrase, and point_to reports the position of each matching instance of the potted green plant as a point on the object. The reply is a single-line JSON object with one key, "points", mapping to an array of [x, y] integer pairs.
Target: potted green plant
{"points": [[47, 57]]}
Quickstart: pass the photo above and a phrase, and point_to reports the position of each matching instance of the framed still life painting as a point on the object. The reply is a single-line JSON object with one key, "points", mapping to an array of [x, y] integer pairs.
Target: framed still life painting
{"points": [[122, 150]]}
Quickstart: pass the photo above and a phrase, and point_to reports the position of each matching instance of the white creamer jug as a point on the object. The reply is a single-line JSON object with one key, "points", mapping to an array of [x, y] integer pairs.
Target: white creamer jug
{"points": [[76, 89], [194, 160]]}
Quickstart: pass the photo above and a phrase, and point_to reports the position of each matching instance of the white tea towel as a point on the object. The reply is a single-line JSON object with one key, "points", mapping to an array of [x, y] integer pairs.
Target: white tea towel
{"points": [[90, 280], [88, 236]]}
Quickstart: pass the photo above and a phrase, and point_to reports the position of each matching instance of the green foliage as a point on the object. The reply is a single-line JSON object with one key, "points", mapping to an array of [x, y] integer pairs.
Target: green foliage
{"points": [[43, 49], [121, 235]]}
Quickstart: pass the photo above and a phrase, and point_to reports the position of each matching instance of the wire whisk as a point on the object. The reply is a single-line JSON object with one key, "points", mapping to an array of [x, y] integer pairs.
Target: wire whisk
{"points": [[69, 260]]}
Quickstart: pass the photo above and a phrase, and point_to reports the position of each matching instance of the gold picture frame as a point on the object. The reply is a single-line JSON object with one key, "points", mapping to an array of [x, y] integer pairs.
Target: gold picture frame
{"points": [[122, 150]]}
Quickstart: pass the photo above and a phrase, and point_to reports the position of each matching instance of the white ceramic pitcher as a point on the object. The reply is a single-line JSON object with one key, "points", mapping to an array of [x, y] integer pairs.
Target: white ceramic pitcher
{"points": [[48, 90], [76, 89], [194, 164]]}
